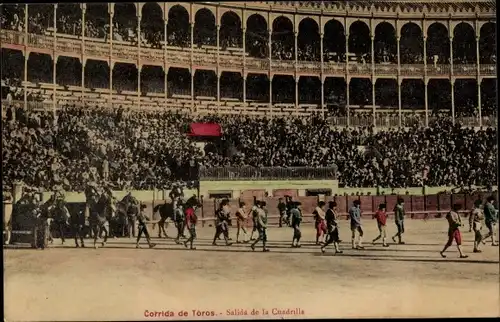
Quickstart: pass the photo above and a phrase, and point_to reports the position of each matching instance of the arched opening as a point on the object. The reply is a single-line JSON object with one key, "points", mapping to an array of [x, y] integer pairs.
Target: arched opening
{"points": [[231, 34], [257, 37], [464, 44], [438, 44], [283, 42], [97, 20], [125, 77], [334, 42], [283, 89], [152, 25], [385, 44], [178, 28], [439, 96], [465, 91], [205, 83], [125, 22], [386, 93], [359, 41], [231, 85], [308, 41], [40, 68], [152, 79], [360, 92], [487, 44], [12, 17], [96, 74], [179, 82], [69, 19], [489, 97], [40, 18], [257, 87], [205, 32], [413, 94], [12, 64], [68, 71], [309, 90], [411, 44]]}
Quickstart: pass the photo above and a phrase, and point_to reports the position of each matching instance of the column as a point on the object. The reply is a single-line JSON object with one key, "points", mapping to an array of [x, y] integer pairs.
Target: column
{"points": [[244, 89], [217, 72], [398, 54], [426, 102], [139, 65], [54, 69], [398, 79], [243, 75], [478, 71], [295, 35], [111, 63], [347, 78], [347, 98], [374, 80], [322, 79], [426, 82], [479, 101], [296, 92], [191, 69], [165, 67], [26, 57], [399, 101], [84, 9], [452, 82], [270, 32]]}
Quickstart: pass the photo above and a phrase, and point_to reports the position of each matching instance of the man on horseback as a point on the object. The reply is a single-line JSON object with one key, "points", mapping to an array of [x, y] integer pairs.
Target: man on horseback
{"points": [[176, 193], [59, 215], [99, 211]]}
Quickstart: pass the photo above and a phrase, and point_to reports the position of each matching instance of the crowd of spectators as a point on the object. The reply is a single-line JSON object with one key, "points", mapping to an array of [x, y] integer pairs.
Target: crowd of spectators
{"points": [[142, 150]]}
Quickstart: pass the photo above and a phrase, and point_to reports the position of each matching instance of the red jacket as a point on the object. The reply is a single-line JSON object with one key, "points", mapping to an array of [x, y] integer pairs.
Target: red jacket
{"points": [[191, 218], [381, 217]]}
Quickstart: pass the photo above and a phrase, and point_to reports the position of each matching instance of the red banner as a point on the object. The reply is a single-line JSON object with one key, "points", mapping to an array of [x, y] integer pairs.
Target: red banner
{"points": [[205, 129]]}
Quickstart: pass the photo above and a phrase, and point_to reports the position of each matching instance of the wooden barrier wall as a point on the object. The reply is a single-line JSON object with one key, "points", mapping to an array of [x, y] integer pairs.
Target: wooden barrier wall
{"points": [[417, 207]]}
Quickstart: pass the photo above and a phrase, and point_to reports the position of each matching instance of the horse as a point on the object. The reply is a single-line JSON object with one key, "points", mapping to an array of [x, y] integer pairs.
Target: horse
{"points": [[59, 215], [166, 211], [100, 212]]}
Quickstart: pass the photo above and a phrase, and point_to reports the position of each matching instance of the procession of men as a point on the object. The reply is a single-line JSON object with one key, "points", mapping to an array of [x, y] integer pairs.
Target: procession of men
{"points": [[102, 208]]}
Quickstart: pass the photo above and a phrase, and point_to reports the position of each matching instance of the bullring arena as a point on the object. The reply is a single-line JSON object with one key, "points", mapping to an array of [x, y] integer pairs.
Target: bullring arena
{"points": [[344, 101]]}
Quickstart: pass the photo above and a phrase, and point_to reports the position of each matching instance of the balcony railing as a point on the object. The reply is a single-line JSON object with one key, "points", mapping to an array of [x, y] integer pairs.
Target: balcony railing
{"points": [[207, 57], [267, 173]]}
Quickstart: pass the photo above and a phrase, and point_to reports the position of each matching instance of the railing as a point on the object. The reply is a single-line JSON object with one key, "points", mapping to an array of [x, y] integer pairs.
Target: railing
{"points": [[207, 57], [267, 173]]}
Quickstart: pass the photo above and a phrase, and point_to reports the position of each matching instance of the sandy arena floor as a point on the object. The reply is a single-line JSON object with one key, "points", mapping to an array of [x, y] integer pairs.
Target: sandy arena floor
{"points": [[120, 282]]}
